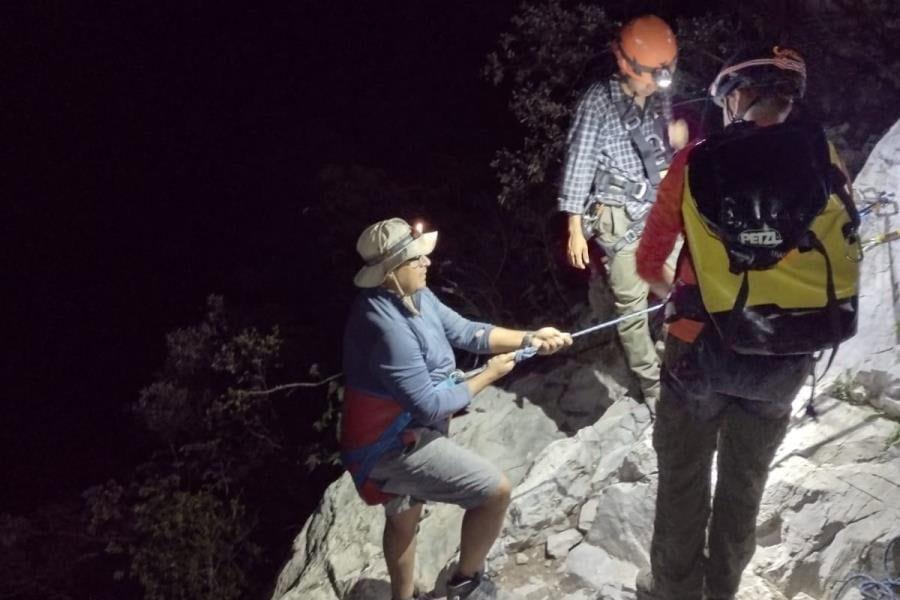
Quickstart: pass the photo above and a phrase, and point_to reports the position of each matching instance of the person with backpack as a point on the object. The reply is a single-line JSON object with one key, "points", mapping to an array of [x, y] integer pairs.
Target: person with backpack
{"points": [[768, 277], [401, 389], [618, 148]]}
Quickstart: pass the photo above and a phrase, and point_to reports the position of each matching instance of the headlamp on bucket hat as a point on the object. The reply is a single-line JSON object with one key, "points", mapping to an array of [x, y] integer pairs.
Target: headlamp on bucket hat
{"points": [[388, 244]]}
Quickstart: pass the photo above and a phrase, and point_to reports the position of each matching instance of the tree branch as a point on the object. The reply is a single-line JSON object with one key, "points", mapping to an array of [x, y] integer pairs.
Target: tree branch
{"points": [[288, 386]]}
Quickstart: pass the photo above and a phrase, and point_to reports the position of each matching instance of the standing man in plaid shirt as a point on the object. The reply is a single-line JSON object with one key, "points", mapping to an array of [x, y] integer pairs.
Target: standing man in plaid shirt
{"points": [[617, 154]]}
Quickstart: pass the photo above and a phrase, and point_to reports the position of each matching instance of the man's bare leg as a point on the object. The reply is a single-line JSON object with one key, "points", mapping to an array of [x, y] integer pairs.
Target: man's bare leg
{"points": [[399, 543], [480, 528]]}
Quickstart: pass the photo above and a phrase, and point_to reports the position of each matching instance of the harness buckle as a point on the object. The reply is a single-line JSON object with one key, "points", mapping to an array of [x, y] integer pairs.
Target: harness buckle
{"points": [[640, 190], [632, 122], [631, 236]]}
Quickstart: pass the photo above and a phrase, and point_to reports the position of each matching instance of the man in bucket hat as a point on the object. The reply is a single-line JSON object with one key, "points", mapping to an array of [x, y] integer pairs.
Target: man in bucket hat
{"points": [[400, 394]]}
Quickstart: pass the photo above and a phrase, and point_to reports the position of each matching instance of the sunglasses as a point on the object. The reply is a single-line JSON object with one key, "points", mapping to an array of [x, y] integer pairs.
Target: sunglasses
{"points": [[418, 261]]}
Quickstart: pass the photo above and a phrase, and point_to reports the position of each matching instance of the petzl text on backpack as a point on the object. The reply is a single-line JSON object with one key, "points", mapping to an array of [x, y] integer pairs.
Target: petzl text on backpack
{"points": [[772, 236]]}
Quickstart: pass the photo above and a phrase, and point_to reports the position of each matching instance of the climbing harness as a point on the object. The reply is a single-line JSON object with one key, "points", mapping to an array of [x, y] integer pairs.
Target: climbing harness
{"points": [[655, 155], [361, 460], [653, 151], [875, 589]]}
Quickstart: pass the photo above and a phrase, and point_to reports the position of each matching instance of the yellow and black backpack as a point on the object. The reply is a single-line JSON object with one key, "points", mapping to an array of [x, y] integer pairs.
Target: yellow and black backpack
{"points": [[772, 232]]}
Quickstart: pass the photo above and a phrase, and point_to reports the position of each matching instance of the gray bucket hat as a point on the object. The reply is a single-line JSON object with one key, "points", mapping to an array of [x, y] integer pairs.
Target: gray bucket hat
{"points": [[386, 245]]}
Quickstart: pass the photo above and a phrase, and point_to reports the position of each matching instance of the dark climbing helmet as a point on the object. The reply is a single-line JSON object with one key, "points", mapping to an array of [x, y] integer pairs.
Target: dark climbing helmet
{"points": [[771, 70]]}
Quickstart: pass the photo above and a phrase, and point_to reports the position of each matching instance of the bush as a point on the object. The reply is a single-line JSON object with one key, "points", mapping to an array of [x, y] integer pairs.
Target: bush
{"points": [[193, 520]]}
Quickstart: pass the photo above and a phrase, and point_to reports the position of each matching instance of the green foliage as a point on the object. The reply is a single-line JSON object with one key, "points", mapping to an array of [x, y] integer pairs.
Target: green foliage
{"points": [[39, 554], [183, 523], [544, 61], [190, 544], [846, 389]]}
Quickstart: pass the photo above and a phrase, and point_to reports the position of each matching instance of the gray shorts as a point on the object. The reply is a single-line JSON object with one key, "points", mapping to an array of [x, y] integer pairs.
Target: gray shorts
{"points": [[435, 469]]}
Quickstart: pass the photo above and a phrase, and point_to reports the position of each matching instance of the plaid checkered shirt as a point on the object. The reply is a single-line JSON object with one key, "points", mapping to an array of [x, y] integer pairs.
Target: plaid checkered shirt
{"points": [[598, 141]]}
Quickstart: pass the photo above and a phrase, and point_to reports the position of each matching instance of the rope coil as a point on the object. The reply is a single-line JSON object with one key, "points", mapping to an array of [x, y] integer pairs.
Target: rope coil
{"points": [[875, 589]]}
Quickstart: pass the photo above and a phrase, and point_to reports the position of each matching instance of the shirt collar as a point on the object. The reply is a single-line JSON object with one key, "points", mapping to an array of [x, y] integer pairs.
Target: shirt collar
{"points": [[617, 94]]}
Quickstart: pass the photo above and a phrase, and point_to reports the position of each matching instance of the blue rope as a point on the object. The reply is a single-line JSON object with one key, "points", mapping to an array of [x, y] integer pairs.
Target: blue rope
{"points": [[876, 589], [525, 354], [529, 352], [618, 320]]}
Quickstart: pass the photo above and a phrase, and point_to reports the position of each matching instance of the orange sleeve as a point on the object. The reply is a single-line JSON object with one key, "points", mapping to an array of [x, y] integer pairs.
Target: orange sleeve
{"points": [[664, 222]]}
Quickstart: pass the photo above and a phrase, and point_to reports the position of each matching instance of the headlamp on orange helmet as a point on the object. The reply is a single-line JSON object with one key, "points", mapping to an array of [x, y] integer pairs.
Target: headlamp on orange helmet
{"points": [[647, 50]]}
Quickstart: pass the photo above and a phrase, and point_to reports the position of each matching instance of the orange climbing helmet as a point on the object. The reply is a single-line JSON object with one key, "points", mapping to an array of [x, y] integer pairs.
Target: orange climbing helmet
{"points": [[646, 50]]}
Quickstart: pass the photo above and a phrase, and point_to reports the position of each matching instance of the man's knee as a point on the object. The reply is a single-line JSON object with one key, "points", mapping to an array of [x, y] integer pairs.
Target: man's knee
{"points": [[502, 494], [405, 524]]}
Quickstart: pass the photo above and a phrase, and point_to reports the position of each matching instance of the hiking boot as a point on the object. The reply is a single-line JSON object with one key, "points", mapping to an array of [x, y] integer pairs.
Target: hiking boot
{"points": [[478, 587]]}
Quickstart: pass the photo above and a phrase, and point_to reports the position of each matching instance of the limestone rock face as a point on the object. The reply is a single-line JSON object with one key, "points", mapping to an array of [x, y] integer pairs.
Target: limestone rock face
{"points": [[832, 502], [578, 449], [558, 545], [878, 332]]}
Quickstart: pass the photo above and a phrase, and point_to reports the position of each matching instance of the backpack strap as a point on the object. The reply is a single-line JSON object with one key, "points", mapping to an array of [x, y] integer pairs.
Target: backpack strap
{"points": [[838, 183], [834, 315], [734, 316]]}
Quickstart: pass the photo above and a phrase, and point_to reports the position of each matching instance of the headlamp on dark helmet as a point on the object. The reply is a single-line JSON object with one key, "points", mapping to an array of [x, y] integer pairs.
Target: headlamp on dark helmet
{"points": [[771, 72], [647, 49]]}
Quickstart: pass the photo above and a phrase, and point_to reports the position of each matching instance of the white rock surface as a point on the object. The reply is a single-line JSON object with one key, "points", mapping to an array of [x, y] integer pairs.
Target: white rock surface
{"points": [[559, 544], [879, 300], [570, 470], [600, 571], [587, 514]]}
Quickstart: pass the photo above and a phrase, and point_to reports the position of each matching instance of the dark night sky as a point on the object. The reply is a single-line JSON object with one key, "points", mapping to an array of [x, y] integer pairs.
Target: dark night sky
{"points": [[149, 146]]}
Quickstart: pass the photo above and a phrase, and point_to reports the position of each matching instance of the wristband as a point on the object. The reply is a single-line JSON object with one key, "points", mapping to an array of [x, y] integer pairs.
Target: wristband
{"points": [[527, 339]]}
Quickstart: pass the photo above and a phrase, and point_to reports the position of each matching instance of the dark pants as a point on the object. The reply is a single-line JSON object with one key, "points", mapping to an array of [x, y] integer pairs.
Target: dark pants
{"points": [[690, 427]]}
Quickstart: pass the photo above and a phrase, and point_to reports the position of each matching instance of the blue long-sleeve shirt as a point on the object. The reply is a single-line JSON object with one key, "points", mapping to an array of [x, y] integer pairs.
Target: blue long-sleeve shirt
{"points": [[391, 353]]}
